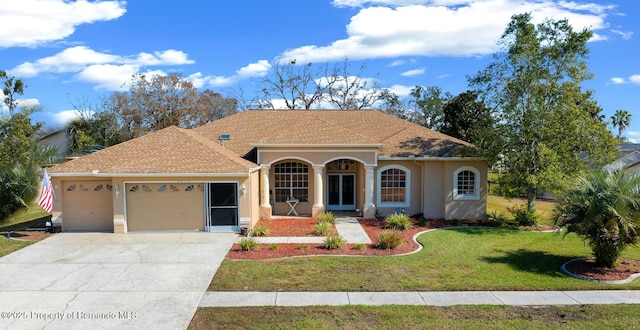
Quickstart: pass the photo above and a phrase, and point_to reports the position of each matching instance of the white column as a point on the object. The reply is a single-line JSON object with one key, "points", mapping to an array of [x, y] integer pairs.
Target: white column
{"points": [[318, 206], [265, 206], [369, 209]]}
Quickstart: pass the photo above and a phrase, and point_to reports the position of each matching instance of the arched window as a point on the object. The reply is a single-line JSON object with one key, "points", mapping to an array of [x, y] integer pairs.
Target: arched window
{"points": [[291, 179], [466, 183], [394, 186]]}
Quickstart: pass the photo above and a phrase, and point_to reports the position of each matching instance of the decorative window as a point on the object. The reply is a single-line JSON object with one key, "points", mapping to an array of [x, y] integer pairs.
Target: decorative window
{"points": [[83, 187], [133, 188], [109, 187], [162, 188], [341, 165], [98, 188], [394, 183], [174, 188], [146, 188], [291, 180], [466, 184], [71, 187], [200, 187], [189, 188]]}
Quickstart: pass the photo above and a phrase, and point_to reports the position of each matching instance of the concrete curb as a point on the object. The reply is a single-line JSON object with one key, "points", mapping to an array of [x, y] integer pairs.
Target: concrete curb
{"points": [[625, 281]]}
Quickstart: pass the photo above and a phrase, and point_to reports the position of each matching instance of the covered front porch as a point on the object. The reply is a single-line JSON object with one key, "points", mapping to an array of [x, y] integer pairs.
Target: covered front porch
{"points": [[313, 181]]}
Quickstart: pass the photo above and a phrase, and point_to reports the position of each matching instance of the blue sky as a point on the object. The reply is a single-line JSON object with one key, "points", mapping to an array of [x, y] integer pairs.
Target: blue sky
{"points": [[67, 51]]}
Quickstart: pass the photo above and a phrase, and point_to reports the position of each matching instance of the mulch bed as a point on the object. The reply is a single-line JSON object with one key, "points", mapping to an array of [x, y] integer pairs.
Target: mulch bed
{"points": [[30, 235], [586, 268], [305, 227]]}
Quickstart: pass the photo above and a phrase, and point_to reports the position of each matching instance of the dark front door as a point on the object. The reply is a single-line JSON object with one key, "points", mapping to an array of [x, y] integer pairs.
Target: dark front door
{"points": [[341, 192]]}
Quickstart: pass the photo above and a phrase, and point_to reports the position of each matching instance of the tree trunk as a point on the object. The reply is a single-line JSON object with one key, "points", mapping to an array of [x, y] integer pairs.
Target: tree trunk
{"points": [[531, 199]]}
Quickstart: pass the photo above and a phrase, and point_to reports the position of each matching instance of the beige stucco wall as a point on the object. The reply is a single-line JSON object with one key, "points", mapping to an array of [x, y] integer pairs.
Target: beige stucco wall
{"points": [[434, 190], [635, 168], [318, 157], [465, 209]]}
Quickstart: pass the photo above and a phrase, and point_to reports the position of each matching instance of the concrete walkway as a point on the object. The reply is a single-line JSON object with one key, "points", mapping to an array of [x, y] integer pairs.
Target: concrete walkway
{"points": [[348, 227], [449, 298]]}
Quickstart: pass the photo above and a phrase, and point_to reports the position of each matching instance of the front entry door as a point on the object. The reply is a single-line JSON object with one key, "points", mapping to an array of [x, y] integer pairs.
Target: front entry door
{"points": [[222, 207], [341, 192]]}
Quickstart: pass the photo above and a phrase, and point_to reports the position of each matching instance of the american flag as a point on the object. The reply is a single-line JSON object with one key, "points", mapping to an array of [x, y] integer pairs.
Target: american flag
{"points": [[46, 195]]}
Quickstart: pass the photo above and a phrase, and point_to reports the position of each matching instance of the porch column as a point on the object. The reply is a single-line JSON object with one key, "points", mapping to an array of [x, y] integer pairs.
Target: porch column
{"points": [[265, 206], [318, 206], [369, 209]]}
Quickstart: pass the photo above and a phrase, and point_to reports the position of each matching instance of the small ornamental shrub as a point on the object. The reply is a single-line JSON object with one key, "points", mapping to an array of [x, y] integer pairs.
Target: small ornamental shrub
{"points": [[248, 244], [455, 222], [260, 230], [302, 247], [322, 228], [359, 247], [326, 217], [495, 219], [273, 247], [523, 216], [389, 240], [333, 242], [398, 221]]}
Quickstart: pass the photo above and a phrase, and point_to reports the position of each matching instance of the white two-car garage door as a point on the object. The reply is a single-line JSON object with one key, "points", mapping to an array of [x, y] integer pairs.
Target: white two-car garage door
{"points": [[165, 206], [87, 206]]}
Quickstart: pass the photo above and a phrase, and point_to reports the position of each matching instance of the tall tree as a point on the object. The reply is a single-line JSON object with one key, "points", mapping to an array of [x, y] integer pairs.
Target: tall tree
{"points": [[156, 102], [309, 86], [621, 120], [11, 87], [544, 128], [465, 118], [428, 103]]}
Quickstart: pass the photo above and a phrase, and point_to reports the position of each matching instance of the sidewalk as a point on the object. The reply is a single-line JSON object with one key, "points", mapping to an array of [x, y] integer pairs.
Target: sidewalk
{"points": [[445, 298]]}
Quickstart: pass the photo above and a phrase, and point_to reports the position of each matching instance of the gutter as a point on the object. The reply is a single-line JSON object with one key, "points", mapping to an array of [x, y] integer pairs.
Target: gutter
{"points": [[136, 175], [442, 159]]}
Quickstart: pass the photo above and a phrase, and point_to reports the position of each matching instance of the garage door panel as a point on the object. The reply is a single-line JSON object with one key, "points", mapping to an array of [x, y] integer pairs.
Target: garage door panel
{"points": [[165, 206], [87, 206]]}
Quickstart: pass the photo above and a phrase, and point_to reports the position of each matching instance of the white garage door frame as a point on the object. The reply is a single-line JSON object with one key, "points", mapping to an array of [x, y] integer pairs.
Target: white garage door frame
{"points": [[206, 211]]}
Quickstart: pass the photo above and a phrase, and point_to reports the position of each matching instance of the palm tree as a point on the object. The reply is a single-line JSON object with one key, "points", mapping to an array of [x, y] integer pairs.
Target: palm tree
{"points": [[621, 119], [603, 208]]}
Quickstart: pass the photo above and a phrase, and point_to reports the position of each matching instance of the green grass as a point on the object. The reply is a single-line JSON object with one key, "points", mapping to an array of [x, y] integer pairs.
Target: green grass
{"points": [[23, 218], [452, 260], [501, 205], [419, 317], [9, 245]]}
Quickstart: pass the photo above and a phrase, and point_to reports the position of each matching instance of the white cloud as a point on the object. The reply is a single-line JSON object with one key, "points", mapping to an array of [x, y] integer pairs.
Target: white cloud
{"points": [[401, 90], [626, 35], [439, 27], [28, 23], [442, 76], [617, 80], [635, 79], [111, 77], [414, 72], [633, 136], [252, 70], [62, 118]]}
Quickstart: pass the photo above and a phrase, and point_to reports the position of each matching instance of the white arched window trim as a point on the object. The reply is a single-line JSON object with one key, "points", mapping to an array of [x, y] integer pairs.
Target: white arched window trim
{"points": [[407, 188], [459, 196]]}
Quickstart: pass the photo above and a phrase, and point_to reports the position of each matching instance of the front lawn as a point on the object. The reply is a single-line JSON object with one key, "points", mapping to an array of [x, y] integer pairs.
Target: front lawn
{"points": [[419, 317], [9, 245], [452, 260], [23, 218], [501, 205]]}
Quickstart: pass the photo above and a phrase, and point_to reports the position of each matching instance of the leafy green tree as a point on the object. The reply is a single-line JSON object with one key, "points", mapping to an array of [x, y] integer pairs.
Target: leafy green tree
{"points": [[621, 120], [545, 130], [603, 208], [11, 87], [429, 104], [465, 118]]}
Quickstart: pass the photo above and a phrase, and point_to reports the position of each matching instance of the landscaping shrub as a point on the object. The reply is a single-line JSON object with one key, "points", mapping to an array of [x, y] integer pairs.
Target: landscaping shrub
{"points": [[333, 242], [389, 240], [359, 247], [455, 222], [259, 230], [523, 216], [273, 247], [326, 217], [248, 244], [398, 222], [302, 247], [495, 219], [322, 228]]}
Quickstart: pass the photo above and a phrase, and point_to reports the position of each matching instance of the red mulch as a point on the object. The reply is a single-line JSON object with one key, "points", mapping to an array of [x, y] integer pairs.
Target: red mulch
{"points": [[586, 268], [305, 226], [31, 235]]}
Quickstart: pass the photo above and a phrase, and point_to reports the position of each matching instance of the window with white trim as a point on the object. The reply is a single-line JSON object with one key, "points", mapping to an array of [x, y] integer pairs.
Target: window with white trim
{"points": [[394, 183], [466, 183], [291, 180]]}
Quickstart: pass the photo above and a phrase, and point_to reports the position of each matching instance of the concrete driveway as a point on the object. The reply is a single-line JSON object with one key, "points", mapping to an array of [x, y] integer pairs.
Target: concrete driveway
{"points": [[105, 281]]}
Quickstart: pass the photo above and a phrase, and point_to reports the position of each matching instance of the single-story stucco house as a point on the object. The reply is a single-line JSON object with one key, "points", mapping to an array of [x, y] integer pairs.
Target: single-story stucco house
{"points": [[258, 164], [629, 163]]}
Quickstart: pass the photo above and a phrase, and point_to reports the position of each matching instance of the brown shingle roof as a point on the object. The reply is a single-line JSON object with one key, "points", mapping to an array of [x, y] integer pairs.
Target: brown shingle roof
{"points": [[170, 150], [399, 137]]}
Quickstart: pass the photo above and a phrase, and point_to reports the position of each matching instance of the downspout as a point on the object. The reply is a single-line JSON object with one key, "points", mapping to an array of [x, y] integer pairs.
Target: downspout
{"points": [[421, 185]]}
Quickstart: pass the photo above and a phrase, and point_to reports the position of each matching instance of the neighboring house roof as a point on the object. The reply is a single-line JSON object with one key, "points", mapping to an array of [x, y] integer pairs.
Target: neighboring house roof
{"points": [[170, 150], [625, 161], [397, 137], [626, 148]]}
